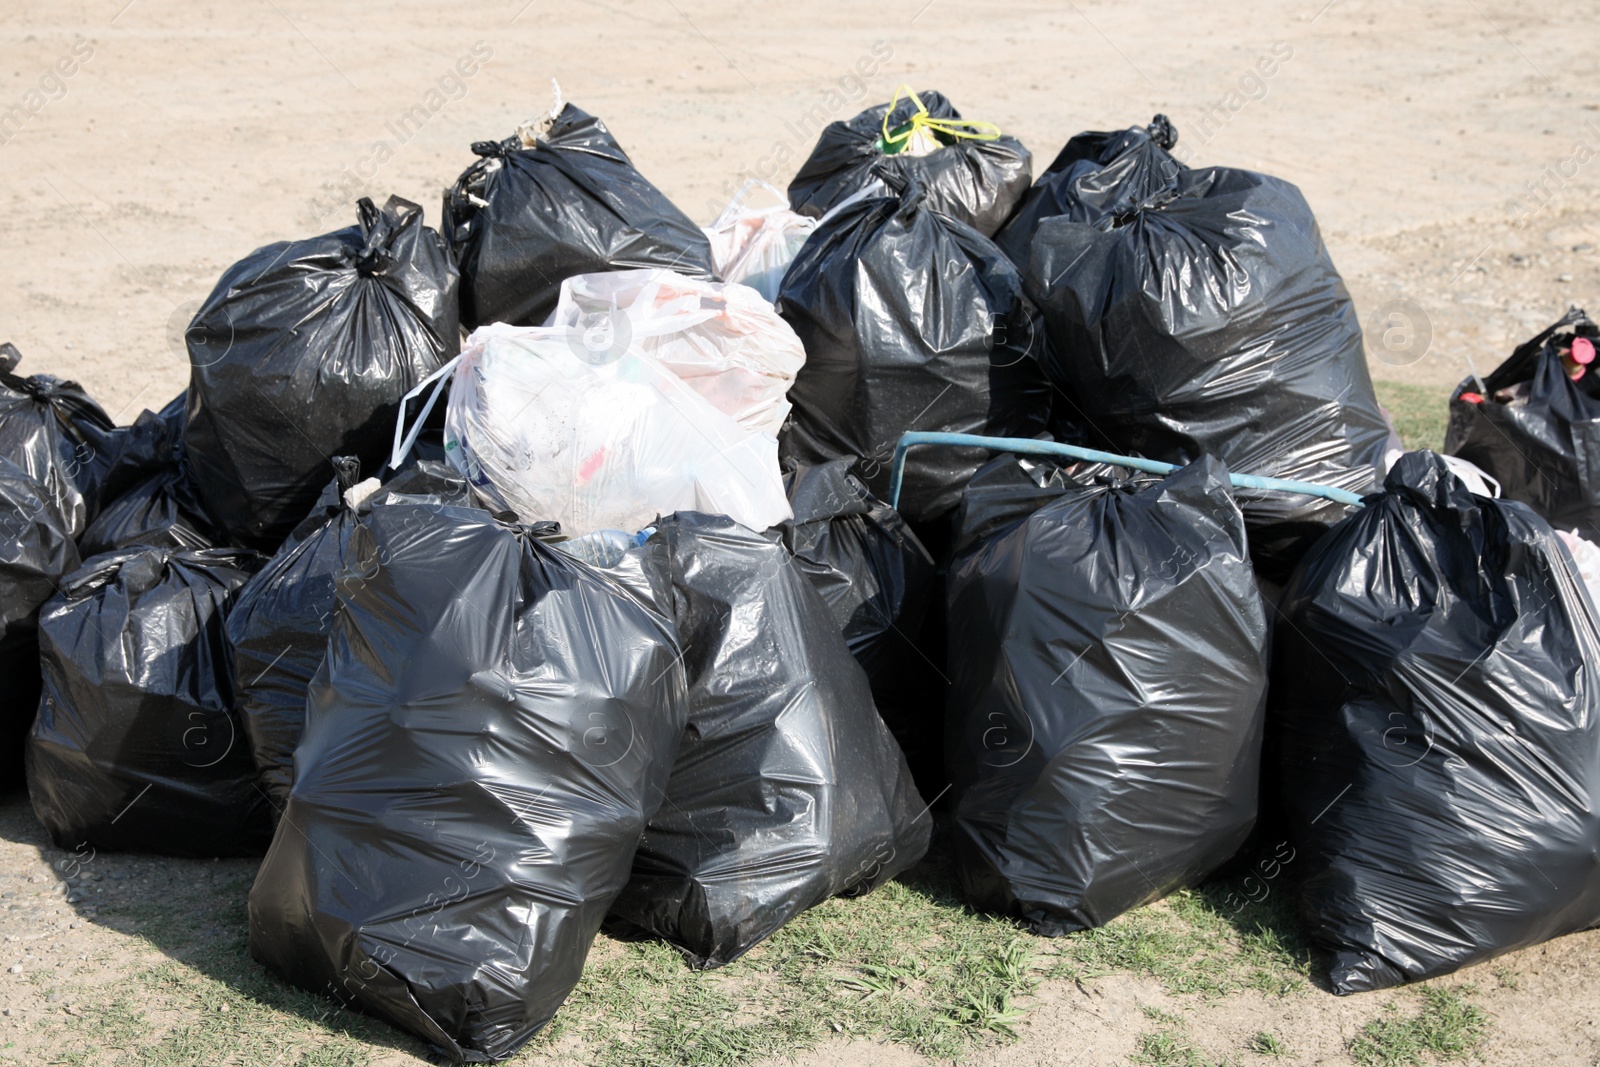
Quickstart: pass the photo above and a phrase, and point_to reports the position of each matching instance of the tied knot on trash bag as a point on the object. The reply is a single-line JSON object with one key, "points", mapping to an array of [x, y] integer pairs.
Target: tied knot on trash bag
{"points": [[376, 256], [1163, 132], [922, 132]]}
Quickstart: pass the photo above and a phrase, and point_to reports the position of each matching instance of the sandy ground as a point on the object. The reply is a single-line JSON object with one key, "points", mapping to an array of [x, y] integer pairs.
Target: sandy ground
{"points": [[1447, 148]]}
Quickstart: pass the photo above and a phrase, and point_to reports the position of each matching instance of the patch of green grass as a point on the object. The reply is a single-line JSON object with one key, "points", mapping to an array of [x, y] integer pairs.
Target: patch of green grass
{"points": [[1447, 1027], [1420, 412], [909, 962], [1168, 1048], [1194, 942], [1266, 1043]]}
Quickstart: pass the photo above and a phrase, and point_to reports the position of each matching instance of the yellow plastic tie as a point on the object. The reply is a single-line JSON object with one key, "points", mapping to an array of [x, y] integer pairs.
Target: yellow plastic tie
{"points": [[956, 129]]}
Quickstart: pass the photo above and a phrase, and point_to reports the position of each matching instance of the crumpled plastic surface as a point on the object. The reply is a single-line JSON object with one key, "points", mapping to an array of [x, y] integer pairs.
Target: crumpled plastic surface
{"points": [[1586, 557], [754, 245], [975, 182], [1196, 311], [911, 321], [1544, 447], [522, 220], [36, 552], [725, 341], [302, 352], [53, 430], [787, 789], [278, 633], [542, 428], [876, 578], [1144, 172], [278, 628], [1436, 705], [136, 746], [491, 731], [149, 497], [1108, 669]]}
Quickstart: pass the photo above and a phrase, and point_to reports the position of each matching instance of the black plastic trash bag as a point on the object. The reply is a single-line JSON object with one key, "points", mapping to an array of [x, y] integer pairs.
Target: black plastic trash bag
{"points": [[1436, 705], [136, 746], [490, 732], [1196, 311], [152, 445], [876, 578], [36, 552], [302, 352], [162, 510], [278, 633], [1108, 657], [150, 499], [787, 789], [541, 207], [1144, 171], [51, 429], [910, 321], [278, 628], [975, 180], [1536, 431]]}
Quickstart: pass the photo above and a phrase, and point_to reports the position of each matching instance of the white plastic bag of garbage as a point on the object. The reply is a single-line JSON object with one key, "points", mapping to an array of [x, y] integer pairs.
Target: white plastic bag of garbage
{"points": [[755, 245], [598, 439], [723, 340]]}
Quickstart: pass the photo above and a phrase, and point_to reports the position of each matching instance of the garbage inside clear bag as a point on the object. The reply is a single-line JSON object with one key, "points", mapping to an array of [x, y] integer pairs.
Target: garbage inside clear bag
{"points": [[551, 431], [725, 341], [755, 245]]}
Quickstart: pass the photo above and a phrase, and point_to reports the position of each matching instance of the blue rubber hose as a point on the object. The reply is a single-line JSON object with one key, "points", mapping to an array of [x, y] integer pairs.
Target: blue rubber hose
{"points": [[1027, 447]]}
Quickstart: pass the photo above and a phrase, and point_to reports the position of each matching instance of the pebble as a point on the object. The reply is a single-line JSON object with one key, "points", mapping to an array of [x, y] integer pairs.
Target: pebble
{"points": [[15, 968], [1563, 277], [73, 925]]}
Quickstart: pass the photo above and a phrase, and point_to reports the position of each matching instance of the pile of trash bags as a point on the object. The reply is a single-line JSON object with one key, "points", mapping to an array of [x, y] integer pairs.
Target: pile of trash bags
{"points": [[627, 611]]}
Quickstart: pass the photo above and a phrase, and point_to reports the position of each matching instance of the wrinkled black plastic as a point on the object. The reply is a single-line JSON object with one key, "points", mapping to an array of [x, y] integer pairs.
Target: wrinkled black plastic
{"points": [[1544, 449], [910, 321], [492, 728], [876, 578], [1195, 311], [1436, 702], [278, 632], [136, 746], [36, 552], [278, 629], [51, 429], [976, 182], [150, 499], [788, 789], [301, 353], [522, 220], [1145, 172], [1108, 659]]}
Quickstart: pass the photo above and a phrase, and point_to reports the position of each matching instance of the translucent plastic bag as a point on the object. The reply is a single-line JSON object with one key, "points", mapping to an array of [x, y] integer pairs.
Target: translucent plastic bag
{"points": [[724, 341], [755, 245], [550, 430]]}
